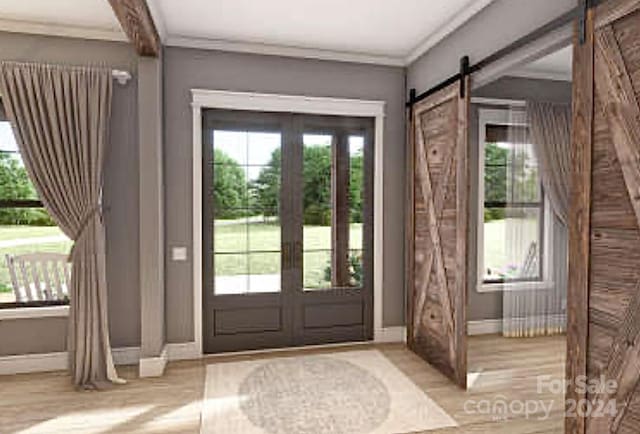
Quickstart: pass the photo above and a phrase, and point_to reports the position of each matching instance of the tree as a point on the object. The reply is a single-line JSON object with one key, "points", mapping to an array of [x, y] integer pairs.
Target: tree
{"points": [[316, 194], [356, 185], [510, 176], [495, 180], [229, 186], [265, 190], [15, 185], [317, 185]]}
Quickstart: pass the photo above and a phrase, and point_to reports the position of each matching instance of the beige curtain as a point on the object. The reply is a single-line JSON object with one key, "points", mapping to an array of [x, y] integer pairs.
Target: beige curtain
{"points": [[60, 117], [550, 126]]}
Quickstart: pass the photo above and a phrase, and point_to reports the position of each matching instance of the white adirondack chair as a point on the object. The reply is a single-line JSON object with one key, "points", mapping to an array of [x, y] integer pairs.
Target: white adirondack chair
{"points": [[39, 276]]}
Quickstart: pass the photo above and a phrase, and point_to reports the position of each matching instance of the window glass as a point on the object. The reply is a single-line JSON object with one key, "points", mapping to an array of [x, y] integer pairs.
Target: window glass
{"points": [[26, 228], [513, 207]]}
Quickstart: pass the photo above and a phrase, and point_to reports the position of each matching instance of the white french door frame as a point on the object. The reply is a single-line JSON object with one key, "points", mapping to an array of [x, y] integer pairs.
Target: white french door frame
{"points": [[218, 99]]}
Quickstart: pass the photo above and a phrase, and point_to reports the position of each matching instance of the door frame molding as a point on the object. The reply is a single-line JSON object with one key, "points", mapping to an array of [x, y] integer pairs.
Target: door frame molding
{"points": [[265, 102]]}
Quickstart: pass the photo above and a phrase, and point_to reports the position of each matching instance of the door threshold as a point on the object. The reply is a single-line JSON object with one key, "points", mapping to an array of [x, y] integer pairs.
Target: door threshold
{"points": [[301, 348]]}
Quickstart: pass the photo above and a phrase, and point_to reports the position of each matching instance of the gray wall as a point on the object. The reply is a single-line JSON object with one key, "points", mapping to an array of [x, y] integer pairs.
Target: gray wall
{"points": [[121, 195], [488, 305], [496, 26], [189, 68]]}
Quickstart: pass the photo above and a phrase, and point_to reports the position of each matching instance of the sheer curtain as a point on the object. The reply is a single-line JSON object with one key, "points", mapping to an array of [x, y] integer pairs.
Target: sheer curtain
{"points": [[534, 302]]}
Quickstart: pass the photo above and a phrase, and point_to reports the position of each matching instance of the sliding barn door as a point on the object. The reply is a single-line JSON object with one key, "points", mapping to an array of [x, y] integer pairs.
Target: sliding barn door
{"points": [[438, 232], [604, 310]]}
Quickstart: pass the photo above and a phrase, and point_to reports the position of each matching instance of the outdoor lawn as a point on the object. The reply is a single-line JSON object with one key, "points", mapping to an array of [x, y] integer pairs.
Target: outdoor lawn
{"points": [[232, 240], [260, 238]]}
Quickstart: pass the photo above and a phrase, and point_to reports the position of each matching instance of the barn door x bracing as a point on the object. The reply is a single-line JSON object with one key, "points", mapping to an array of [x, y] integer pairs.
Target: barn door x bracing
{"points": [[438, 232], [604, 285]]}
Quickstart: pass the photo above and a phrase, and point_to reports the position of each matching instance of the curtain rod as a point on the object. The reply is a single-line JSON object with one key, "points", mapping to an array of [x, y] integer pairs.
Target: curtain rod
{"points": [[122, 77], [517, 44]]}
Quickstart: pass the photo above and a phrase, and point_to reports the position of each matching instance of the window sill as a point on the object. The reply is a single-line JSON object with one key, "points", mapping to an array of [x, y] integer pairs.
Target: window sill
{"points": [[514, 286], [34, 312]]}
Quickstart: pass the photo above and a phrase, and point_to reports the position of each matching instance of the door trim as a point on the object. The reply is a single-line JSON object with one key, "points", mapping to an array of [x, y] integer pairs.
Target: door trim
{"points": [[219, 99]]}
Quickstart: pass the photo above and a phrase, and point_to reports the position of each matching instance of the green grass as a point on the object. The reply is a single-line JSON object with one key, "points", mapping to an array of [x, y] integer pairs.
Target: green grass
{"points": [[256, 238], [259, 238], [19, 232]]}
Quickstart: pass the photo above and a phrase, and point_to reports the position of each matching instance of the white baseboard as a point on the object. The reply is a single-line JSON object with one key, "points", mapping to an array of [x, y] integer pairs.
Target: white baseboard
{"points": [[59, 361], [390, 334], [484, 327], [28, 363], [153, 366]]}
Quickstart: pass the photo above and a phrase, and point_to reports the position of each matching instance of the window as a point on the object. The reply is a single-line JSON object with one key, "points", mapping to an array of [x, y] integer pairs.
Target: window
{"points": [[27, 228], [512, 234]]}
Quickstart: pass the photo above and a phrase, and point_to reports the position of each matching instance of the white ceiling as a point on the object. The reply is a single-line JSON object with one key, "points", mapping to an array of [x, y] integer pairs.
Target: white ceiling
{"points": [[81, 18], [554, 66], [374, 28], [373, 31]]}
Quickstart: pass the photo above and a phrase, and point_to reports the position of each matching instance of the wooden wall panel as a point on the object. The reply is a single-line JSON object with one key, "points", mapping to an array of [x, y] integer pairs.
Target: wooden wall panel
{"points": [[438, 232]]}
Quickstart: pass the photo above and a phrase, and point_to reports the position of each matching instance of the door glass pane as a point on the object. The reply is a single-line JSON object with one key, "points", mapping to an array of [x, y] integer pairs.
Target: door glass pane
{"points": [[356, 206], [317, 153], [232, 273], [317, 269], [246, 167], [264, 232], [231, 235], [264, 272]]}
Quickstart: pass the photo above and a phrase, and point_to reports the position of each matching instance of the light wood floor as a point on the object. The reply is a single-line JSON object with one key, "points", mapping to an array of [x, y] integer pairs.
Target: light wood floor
{"points": [[501, 369]]}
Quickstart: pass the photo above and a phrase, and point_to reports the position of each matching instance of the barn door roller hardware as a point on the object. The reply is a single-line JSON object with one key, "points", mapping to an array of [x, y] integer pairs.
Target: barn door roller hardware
{"points": [[465, 70], [579, 12], [584, 7]]}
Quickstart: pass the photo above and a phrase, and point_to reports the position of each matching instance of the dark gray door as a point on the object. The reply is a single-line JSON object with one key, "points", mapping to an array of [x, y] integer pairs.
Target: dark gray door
{"points": [[333, 211], [287, 230]]}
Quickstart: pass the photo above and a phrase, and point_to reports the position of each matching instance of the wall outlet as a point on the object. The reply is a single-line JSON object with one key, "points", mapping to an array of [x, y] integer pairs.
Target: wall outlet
{"points": [[179, 253]]}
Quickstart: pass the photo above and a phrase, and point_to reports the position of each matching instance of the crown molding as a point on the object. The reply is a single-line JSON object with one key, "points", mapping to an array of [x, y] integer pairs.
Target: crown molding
{"points": [[282, 50], [48, 29], [451, 25]]}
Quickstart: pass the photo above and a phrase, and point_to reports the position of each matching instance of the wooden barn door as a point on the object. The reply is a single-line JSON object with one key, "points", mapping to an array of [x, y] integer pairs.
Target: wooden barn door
{"points": [[604, 285], [437, 232]]}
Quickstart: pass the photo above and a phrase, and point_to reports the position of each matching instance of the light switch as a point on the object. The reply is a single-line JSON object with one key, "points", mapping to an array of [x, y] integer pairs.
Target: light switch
{"points": [[179, 253]]}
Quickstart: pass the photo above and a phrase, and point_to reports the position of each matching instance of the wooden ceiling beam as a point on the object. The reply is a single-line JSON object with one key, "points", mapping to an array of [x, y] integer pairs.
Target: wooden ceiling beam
{"points": [[137, 22]]}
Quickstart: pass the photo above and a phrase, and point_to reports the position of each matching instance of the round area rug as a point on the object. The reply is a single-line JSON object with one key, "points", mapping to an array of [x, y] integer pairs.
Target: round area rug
{"points": [[314, 395]]}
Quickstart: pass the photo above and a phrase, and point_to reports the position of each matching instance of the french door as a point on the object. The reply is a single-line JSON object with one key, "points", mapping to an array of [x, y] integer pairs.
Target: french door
{"points": [[287, 232]]}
